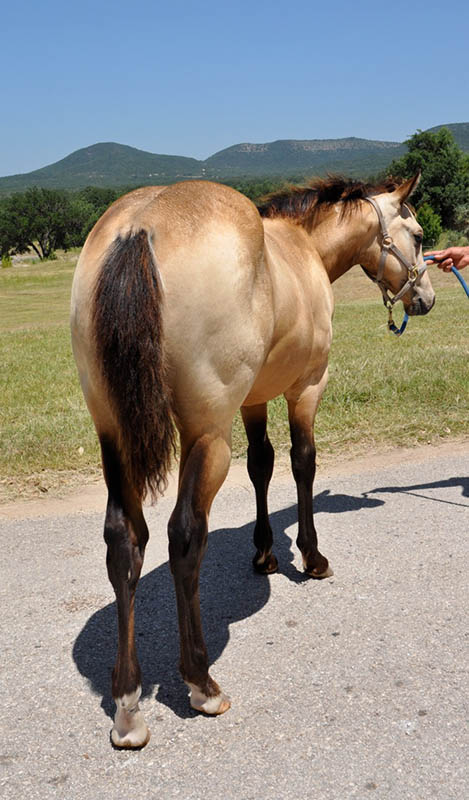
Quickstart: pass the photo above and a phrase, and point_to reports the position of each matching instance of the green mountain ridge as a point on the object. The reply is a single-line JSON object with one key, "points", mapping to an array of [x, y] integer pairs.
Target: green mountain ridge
{"points": [[115, 165], [104, 164], [313, 156]]}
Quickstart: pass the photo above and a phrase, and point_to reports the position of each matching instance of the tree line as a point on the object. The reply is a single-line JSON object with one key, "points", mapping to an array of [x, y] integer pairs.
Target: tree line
{"points": [[46, 220]]}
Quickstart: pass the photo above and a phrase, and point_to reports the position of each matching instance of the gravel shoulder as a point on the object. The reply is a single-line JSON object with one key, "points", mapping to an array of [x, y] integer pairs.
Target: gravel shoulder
{"points": [[92, 496]]}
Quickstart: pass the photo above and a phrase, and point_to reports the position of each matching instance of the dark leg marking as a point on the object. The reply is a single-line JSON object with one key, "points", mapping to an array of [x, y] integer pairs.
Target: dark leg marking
{"points": [[260, 468], [303, 461]]}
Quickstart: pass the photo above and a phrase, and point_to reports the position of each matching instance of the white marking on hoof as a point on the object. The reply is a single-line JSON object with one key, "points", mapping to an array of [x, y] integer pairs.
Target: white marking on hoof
{"points": [[266, 563], [328, 573], [130, 730], [208, 705]]}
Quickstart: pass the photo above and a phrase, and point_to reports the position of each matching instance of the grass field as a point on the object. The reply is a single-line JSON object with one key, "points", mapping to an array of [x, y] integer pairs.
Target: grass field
{"points": [[383, 391]]}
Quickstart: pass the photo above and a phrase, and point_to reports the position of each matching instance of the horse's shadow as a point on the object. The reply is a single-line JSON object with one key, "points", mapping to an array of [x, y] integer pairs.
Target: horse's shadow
{"points": [[414, 488], [230, 590]]}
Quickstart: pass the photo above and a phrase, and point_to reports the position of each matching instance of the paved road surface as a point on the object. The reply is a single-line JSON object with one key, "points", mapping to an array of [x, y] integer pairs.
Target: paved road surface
{"points": [[354, 687]]}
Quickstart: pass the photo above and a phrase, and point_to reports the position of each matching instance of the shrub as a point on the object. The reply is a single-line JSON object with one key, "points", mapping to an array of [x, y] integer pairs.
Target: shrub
{"points": [[431, 224]]}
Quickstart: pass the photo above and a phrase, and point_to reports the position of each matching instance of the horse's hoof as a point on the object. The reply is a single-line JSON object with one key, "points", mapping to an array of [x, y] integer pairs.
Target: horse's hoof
{"points": [[265, 564], [314, 573], [130, 731], [208, 705], [133, 740]]}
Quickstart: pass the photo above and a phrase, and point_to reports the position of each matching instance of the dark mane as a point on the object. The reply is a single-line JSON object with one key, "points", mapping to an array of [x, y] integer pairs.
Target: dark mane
{"points": [[303, 203]]}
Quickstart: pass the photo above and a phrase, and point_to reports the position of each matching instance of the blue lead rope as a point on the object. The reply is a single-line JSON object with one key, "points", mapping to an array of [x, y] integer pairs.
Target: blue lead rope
{"points": [[460, 279], [454, 271], [398, 331]]}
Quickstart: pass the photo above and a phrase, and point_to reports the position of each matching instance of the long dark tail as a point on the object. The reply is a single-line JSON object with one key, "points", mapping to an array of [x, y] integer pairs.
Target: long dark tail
{"points": [[128, 327]]}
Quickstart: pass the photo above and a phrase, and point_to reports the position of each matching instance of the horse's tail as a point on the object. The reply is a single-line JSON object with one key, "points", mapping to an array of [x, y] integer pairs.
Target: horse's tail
{"points": [[128, 329]]}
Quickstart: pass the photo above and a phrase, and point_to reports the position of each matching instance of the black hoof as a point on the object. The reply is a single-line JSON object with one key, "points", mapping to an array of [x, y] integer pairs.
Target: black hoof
{"points": [[320, 570], [265, 565]]}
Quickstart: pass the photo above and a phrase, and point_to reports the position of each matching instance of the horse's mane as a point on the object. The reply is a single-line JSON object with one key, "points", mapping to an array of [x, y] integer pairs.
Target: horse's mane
{"points": [[303, 203]]}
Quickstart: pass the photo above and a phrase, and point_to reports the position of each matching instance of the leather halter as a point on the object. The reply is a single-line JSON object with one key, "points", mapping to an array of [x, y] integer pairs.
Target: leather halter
{"points": [[414, 272]]}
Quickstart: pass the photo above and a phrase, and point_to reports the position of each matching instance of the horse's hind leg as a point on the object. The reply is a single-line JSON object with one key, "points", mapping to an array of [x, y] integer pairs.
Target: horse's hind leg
{"points": [[301, 412], [260, 468], [206, 464], [126, 535]]}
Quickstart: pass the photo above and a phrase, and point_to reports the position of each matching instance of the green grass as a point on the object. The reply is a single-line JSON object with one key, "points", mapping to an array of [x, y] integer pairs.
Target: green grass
{"points": [[397, 391], [35, 293], [383, 391], [44, 418]]}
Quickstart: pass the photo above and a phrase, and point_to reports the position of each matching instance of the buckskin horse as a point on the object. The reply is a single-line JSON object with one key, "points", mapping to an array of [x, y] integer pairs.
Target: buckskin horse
{"points": [[189, 303]]}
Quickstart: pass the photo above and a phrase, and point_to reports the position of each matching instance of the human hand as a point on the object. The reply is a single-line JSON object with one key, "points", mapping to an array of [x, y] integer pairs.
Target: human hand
{"points": [[451, 257]]}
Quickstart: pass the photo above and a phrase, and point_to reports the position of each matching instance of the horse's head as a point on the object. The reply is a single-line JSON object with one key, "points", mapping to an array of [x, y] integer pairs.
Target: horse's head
{"points": [[394, 258]]}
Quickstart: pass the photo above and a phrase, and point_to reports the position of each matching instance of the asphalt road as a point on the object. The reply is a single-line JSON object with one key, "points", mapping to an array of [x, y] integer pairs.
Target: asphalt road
{"points": [[353, 687]]}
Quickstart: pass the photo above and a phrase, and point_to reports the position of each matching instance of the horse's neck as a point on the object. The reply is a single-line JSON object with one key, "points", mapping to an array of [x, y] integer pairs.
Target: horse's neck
{"points": [[340, 242]]}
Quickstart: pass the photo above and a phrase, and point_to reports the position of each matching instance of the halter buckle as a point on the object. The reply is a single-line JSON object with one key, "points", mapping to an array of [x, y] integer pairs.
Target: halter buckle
{"points": [[387, 241]]}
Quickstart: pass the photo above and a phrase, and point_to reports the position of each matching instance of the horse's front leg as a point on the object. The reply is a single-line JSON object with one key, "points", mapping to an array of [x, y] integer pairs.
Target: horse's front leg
{"points": [[302, 409], [260, 468], [205, 465]]}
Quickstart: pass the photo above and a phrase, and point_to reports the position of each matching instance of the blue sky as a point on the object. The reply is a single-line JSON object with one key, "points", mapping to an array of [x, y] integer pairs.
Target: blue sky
{"points": [[192, 78]]}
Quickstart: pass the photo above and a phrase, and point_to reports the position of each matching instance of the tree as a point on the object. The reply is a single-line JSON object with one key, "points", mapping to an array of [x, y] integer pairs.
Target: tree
{"points": [[444, 184], [462, 219], [90, 204], [7, 231], [41, 219], [431, 224]]}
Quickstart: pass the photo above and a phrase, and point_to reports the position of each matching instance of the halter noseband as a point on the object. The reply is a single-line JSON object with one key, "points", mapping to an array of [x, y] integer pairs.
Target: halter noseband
{"points": [[414, 272]]}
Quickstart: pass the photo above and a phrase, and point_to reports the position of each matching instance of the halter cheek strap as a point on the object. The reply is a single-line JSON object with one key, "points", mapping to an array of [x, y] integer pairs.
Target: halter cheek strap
{"points": [[414, 272]]}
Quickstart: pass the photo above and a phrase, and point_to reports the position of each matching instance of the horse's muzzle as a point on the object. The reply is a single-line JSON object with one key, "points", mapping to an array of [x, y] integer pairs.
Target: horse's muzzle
{"points": [[418, 307]]}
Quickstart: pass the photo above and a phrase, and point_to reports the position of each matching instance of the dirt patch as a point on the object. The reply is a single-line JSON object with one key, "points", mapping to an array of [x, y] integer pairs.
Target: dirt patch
{"points": [[46, 484], [91, 496]]}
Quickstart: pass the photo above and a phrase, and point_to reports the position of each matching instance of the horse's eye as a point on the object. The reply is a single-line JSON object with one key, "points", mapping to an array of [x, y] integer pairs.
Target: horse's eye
{"points": [[418, 239]]}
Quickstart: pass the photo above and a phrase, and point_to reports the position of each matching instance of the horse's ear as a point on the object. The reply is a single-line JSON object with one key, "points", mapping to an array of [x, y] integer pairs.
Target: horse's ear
{"points": [[403, 192]]}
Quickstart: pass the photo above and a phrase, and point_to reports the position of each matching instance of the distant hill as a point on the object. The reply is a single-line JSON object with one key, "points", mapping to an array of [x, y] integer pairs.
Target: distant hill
{"points": [[313, 156], [105, 164], [117, 165]]}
